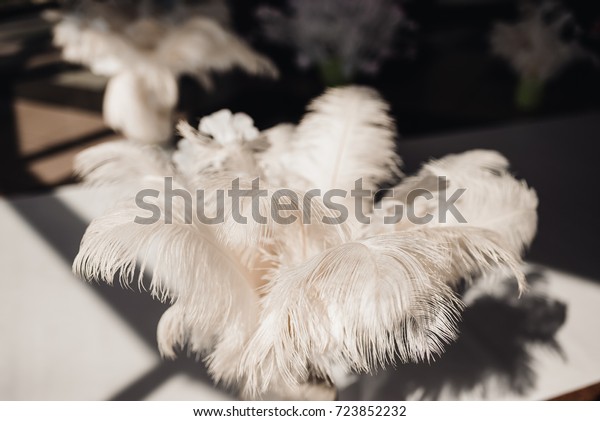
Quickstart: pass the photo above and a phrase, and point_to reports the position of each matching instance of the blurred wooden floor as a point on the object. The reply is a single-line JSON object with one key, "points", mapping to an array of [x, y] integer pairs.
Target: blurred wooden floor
{"points": [[42, 127]]}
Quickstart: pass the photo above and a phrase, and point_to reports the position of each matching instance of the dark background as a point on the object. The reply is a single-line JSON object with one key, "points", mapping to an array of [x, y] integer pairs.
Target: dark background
{"points": [[451, 82]]}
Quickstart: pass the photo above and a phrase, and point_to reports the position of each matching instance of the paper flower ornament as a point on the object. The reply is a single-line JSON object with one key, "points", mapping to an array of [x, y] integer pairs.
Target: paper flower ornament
{"points": [[143, 49], [288, 284]]}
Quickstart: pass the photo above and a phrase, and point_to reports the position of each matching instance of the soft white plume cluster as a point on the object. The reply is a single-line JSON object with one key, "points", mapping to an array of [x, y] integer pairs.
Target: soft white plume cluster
{"points": [[534, 45], [143, 52], [271, 306]]}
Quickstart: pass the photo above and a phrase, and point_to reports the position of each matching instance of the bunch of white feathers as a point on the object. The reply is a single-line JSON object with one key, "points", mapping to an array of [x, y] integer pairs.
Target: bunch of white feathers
{"points": [[272, 306], [144, 52]]}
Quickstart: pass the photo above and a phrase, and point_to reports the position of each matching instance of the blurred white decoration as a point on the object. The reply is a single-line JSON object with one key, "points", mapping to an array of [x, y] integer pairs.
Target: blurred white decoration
{"points": [[341, 37], [276, 306], [144, 48], [538, 46]]}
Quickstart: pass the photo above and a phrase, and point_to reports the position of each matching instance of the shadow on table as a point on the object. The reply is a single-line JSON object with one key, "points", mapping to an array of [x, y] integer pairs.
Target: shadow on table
{"points": [[498, 330]]}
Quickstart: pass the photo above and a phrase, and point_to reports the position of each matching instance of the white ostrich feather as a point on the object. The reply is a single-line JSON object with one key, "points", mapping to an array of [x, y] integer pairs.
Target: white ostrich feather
{"points": [[172, 332], [92, 45], [285, 214], [121, 162], [224, 143], [366, 303], [273, 161], [346, 135], [212, 315], [492, 199], [201, 46], [208, 284]]}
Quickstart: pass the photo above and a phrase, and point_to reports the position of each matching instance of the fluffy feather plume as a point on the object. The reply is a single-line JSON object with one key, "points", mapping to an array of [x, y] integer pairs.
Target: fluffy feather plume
{"points": [[272, 303], [274, 160], [211, 274], [224, 143], [184, 41], [121, 162], [491, 198], [365, 303], [201, 46], [210, 286], [347, 134], [144, 55]]}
